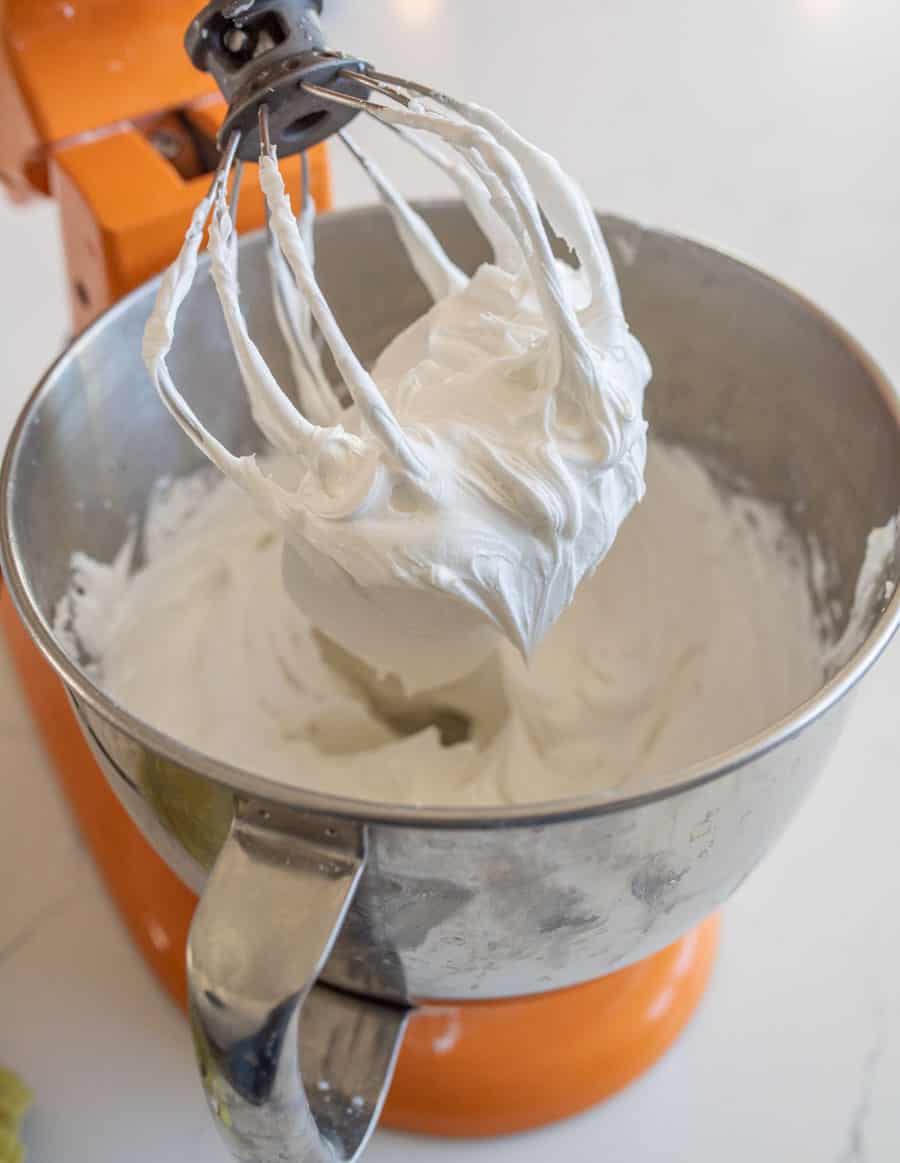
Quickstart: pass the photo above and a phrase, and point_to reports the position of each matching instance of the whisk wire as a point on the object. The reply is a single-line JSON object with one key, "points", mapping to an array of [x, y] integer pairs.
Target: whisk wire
{"points": [[377, 82], [236, 189], [223, 169], [365, 393], [305, 195], [347, 99], [441, 276], [265, 138]]}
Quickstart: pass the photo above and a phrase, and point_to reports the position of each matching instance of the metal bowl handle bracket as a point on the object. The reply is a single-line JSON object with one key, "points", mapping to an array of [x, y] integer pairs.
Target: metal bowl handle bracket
{"points": [[291, 1072]]}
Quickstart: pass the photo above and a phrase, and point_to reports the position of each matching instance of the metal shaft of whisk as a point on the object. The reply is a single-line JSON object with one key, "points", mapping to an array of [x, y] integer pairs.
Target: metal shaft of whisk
{"points": [[235, 189], [287, 315], [265, 138], [304, 179], [388, 82], [359, 103], [226, 161], [381, 85]]}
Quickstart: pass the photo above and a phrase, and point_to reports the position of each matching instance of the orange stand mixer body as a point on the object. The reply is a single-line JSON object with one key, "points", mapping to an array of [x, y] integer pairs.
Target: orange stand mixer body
{"points": [[102, 110]]}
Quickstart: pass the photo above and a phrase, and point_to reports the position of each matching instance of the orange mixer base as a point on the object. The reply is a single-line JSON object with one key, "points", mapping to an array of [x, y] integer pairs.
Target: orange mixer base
{"points": [[482, 1068]]}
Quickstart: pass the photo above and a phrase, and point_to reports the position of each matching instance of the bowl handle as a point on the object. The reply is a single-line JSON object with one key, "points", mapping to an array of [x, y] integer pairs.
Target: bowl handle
{"points": [[302, 1091]]}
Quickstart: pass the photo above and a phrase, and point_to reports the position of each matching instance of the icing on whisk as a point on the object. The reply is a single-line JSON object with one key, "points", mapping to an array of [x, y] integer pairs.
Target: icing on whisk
{"points": [[485, 464]]}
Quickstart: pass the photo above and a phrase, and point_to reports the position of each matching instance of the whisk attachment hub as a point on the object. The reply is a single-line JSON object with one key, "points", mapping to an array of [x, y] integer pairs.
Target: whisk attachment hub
{"points": [[265, 52]]}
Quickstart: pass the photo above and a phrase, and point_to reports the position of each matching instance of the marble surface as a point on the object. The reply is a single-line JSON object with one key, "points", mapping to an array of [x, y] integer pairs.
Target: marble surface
{"points": [[768, 129]]}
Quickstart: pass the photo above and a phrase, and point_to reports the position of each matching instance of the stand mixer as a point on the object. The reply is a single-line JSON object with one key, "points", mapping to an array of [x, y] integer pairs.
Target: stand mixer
{"points": [[488, 922]]}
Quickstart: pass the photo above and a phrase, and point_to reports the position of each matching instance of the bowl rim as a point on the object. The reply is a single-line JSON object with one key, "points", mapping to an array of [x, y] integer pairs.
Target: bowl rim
{"points": [[259, 787]]}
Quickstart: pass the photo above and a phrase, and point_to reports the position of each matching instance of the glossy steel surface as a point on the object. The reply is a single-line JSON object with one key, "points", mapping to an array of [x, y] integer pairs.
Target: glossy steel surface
{"points": [[274, 903], [461, 904]]}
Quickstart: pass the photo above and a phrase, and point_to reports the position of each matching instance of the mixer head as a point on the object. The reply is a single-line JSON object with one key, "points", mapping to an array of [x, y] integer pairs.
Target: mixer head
{"points": [[272, 53]]}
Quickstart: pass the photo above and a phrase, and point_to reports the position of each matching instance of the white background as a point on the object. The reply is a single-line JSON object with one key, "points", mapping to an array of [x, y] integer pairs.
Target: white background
{"points": [[770, 128]]}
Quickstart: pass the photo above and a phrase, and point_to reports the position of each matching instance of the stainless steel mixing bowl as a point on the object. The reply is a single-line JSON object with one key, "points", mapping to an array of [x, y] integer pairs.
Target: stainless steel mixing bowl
{"points": [[381, 904]]}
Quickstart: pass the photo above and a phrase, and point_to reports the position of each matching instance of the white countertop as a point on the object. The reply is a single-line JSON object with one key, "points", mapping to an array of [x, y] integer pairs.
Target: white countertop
{"points": [[767, 128]]}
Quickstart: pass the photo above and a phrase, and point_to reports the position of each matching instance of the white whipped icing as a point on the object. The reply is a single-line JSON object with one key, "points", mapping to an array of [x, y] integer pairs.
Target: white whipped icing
{"points": [[874, 587], [697, 632], [487, 463], [430, 537]]}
